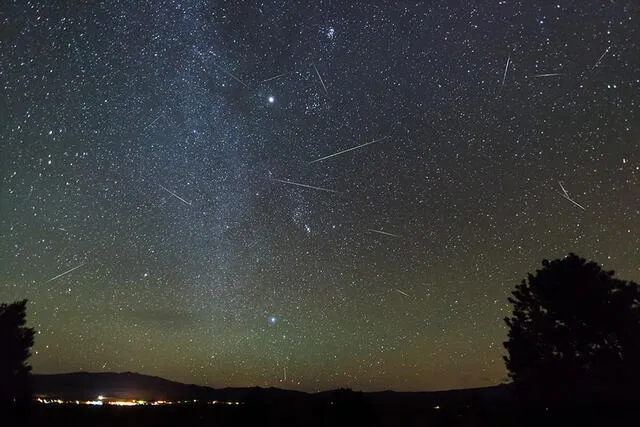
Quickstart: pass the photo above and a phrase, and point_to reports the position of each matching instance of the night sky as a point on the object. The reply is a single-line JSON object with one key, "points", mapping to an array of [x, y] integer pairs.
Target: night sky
{"points": [[171, 204]]}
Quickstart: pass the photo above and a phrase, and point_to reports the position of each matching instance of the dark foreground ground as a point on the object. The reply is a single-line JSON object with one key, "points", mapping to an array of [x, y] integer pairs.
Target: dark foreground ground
{"points": [[319, 415]]}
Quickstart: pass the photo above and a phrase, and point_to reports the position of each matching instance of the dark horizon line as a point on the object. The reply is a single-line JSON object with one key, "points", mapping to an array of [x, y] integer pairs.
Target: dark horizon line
{"points": [[271, 387]]}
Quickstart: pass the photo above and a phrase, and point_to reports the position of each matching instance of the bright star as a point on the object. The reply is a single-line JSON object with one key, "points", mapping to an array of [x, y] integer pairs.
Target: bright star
{"points": [[271, 100]]}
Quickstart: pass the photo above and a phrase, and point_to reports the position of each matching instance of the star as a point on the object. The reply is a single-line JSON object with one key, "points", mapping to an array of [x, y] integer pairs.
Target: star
{"points": [[413, 160]]}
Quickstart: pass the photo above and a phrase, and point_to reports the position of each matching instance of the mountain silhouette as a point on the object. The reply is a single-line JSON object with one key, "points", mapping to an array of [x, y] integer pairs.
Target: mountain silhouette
{"points": [[130, 385]]}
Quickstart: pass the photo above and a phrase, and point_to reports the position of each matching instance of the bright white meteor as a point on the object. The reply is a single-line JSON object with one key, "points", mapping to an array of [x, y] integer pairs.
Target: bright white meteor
{"points": [[174, 195], [403, 293], [349, 149], [506, 68], [600, 59], [537, 76], [321, 81], [274, 77], [383, 233], [227, 72], [305, 185], [565, 194], [65, 273]]}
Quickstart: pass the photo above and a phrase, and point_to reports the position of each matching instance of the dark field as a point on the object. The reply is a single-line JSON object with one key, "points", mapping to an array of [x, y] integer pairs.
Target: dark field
{"points": [[316, 415]]}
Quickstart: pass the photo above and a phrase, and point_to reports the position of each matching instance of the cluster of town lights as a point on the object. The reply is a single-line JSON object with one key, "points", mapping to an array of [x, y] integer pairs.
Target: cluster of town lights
{"points": [[101, 400]]}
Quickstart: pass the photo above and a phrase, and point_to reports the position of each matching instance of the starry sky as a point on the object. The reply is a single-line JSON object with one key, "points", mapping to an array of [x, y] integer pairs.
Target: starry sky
{"points": [[308, 195]]}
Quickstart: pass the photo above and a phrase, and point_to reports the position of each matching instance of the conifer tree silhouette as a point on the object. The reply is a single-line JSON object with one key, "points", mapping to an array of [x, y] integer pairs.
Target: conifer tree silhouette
{"points": [[15, 348]]}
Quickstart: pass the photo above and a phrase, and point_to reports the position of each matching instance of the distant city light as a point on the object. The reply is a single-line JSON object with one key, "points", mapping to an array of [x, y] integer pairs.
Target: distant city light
{"points": [[102, 401], [125, 403]]}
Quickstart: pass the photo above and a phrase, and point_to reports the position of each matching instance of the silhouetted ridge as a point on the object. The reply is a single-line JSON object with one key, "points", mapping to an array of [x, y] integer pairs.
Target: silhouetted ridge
{"points": [[129, 385]]}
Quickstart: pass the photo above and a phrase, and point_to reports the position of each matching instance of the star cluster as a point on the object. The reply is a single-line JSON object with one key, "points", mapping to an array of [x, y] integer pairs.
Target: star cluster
{"points": [[307, 195]]}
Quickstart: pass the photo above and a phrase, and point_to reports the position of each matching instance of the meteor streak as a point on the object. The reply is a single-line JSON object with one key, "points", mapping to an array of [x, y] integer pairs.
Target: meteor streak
{"points": [[65, 273], [305, 185], [230, 75], [600, 59], [274, 77], [565, 194], [174, 195], [348, 149], [506, 68], [321, 82], [537, 76], [383, 233], [156, 119]]}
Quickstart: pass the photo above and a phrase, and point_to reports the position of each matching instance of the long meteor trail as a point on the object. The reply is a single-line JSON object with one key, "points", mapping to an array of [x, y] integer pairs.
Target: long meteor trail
{"points": [[227, 72], [403, 293], [506, 68], [383, 233], [274, 77], [65, 273], [321, 81], [600, 59], [565, 194], [156, 119], [305, 185], [174, 195], [537, 76], [348, 149]]}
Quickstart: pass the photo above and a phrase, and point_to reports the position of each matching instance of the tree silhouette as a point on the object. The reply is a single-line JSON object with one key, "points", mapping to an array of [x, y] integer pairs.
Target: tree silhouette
{"points": [[15, 344], [574, 334]]}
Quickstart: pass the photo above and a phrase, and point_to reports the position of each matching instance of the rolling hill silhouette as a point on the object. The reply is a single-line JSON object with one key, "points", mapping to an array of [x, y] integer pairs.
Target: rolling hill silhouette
{"points": [[130, 385]]}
